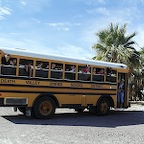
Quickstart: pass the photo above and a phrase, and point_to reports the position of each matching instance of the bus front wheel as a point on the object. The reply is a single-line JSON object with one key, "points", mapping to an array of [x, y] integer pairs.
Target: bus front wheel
{"points": [[44, 108], [103, 107]]}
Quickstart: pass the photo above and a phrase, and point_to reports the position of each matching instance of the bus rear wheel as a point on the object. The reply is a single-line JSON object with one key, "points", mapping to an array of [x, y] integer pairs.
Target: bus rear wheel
{"points": [[44, 108], [103, 107]]}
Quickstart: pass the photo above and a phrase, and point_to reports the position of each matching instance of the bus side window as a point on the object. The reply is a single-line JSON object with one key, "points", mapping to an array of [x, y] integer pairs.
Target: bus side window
{"points": [[111, 75], [10, 67], [70, 72], [98, 74], [84, 73], [41, 69], [56, 70], [6, 59], [26, 67]]}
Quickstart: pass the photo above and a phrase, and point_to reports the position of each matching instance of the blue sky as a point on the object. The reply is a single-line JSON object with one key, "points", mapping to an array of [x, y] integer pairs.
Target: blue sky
{"points": [[66, 27]]}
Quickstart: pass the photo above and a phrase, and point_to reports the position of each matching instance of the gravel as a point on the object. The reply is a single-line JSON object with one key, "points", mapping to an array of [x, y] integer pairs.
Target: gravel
{"points": [[123, 126]]}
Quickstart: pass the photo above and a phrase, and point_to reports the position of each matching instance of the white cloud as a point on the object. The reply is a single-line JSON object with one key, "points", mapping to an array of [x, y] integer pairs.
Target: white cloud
{"points": [[28, 44], [100, 10], [60, 26], [129, 13], [63, 49], [14, 33], [4, 11], [32, 6], [78, 16], [94, 2], [66, 26], [133, 2], [23, 2], [70, 50]]}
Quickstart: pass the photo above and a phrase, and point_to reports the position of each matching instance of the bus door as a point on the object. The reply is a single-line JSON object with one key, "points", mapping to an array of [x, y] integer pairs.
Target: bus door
{"points": [[126, 94]]}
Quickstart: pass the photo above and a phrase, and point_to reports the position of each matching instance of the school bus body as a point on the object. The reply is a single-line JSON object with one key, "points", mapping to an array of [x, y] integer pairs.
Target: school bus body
{"points": [[39, 93]]}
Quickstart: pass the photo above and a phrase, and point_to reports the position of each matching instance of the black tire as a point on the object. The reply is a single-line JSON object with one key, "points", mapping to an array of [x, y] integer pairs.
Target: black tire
{"points": [[103, 107], [22, 110], [44, 108]]}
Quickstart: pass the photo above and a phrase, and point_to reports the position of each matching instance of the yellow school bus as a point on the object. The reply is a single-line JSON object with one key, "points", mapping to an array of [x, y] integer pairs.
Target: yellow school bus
{"points": [[37, 83]]}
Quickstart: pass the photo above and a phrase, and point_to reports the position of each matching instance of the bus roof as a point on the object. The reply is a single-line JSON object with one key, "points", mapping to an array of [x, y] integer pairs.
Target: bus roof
{"points": [[27, 53]]}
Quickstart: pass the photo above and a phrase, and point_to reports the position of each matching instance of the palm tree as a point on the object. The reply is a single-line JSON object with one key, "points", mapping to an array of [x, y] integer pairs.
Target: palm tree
{"points": [[137, 74], [142, 54], [114, 45]]}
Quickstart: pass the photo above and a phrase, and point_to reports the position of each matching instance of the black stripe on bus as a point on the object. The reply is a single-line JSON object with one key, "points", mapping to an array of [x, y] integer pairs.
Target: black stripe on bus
{"points": [[57, 80], [61, 87], [39, 92]]}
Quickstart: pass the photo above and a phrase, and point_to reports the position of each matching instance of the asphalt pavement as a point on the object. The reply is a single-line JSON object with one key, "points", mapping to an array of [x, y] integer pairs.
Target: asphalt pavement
{"points": [[125, 126]]}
